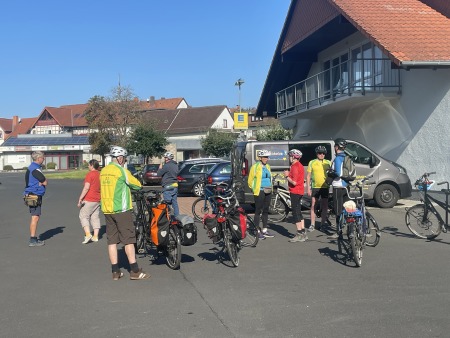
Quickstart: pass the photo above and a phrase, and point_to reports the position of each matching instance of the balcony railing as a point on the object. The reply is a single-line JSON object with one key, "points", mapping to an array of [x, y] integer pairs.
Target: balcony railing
{"points": [[349, 77]]}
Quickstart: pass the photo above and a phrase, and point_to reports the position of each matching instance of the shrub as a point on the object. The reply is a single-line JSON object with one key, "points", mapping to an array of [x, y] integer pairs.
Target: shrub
{"points": [[85, 164], [25, 168], [8, 167], [51, 165], [43, 166]]}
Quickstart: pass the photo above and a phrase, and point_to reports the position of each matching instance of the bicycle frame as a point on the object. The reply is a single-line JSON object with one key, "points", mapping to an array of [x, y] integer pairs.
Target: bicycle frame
{"points": [[428, 201]]}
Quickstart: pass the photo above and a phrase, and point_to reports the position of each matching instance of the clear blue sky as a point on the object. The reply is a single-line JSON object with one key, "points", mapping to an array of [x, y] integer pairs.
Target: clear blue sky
{"points": [[57, 52]]}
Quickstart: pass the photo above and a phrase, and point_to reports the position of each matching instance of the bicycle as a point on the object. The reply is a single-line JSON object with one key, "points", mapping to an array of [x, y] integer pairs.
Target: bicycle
{"points": [[280, 202], [142, 218], [220, 230], [423, 220], [355, 217], [208, 205]]}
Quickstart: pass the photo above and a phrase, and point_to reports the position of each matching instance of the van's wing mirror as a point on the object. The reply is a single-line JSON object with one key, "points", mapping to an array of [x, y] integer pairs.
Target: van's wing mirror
{"points": [[374, 161]]}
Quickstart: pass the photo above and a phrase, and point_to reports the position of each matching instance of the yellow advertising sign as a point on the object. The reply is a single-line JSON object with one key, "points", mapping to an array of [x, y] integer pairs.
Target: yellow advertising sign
{"points": [[241, 120]]}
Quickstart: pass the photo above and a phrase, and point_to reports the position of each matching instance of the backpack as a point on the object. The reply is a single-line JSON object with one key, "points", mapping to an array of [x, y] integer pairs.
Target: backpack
{"points": [[238, 223], [160, 225], [348, 167]]}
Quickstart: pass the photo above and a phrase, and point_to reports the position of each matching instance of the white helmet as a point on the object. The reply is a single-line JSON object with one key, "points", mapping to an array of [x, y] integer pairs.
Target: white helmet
{"points": [[118, 151], [168, 155], [263, 153], [295, 153]]}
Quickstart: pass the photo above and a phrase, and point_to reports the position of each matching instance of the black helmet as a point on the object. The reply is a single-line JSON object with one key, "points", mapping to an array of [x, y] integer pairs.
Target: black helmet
{"points": [[321, 149], [341, 143]]}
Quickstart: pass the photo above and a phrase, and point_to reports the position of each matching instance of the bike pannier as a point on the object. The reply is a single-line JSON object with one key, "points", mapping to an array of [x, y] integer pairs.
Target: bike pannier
{"points": [[160, 225], [238, 223], [188, 230], [212, 227]]}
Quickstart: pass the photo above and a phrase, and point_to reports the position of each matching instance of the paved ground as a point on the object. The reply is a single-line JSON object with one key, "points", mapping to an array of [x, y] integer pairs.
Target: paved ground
{"points": [[280, 289]]}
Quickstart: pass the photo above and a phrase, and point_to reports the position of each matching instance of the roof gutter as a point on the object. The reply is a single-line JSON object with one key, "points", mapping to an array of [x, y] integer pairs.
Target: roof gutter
{"points": [[407, 64]]}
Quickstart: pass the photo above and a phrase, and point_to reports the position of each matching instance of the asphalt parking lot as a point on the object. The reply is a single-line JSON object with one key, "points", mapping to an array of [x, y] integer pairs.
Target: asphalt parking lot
{"points": [[280, 289]]}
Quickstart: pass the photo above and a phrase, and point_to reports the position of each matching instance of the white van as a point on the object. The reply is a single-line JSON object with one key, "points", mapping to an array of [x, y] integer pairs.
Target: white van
{"points": [[391, 179]]}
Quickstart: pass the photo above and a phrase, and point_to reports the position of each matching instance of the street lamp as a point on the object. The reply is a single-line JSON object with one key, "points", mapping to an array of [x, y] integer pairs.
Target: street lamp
{"points": [[238, 83]]}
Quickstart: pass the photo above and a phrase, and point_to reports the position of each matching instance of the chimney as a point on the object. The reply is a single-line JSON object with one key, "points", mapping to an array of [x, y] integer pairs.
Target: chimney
{"points": [[163, 98], [152, 99], [136, 99], [15, 122]]}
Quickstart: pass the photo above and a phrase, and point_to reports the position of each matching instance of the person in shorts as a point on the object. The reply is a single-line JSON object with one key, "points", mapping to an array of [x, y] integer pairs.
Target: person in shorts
{"points": [[35, 184], [316, 185], [115, 185], [89, 203], [295, 177]]}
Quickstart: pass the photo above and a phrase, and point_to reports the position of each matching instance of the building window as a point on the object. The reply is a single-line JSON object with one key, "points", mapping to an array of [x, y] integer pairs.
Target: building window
{"points": [[225, 123]]}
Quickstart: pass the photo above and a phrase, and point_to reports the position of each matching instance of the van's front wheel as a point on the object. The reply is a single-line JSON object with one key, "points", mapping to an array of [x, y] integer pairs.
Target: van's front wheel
{"points": [[386, 196]]}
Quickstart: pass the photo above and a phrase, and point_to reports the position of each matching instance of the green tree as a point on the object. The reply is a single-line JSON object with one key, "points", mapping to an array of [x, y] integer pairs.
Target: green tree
{"points": [[218, 144], [273, 132], [147, 141], [114, 114], [100, 143]]}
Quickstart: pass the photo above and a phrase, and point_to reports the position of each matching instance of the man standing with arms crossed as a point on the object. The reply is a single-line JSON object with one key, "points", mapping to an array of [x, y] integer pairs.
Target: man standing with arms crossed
{"points": [[35, 184], [316, 185], [115, 185]]}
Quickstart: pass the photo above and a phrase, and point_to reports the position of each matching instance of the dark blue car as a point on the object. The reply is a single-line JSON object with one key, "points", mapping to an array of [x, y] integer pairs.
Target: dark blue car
{"points": [[220, 172]]}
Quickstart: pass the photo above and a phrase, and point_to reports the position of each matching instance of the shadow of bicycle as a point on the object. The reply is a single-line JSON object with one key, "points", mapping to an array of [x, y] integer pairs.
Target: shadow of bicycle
{"points": [[343, 254]]}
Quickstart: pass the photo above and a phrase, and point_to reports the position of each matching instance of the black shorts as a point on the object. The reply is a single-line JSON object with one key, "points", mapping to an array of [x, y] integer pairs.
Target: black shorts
{"points": [[120, 228], [319, 192]]}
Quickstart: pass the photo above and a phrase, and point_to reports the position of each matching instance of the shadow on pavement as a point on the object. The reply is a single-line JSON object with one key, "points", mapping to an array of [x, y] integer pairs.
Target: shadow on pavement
{"points": [[50, 233], [342, 255]]}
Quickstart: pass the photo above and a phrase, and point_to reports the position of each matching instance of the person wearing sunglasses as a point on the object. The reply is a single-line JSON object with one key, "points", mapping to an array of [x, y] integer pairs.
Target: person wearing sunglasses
{"points": [[316, 185]]}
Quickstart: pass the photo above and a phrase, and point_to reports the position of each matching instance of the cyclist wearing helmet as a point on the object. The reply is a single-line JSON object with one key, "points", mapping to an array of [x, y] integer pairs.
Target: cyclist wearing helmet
{"points": [[115, 185], [339, 191], [168, 170], [295, 177], [260, 181], [316, 185]]}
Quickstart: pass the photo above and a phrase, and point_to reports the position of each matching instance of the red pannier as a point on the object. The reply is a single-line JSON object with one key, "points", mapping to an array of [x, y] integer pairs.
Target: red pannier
{"points": [[238, 223]]}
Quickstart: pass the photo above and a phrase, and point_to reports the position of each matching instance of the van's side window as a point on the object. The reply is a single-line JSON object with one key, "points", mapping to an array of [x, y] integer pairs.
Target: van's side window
{"points": [[359, 154], [309, 151]]}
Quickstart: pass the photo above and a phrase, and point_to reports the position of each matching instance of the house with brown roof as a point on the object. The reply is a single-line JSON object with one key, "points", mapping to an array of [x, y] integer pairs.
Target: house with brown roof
{"points": [[63, 135], [6, 126], [185, 127], [377, 72]]}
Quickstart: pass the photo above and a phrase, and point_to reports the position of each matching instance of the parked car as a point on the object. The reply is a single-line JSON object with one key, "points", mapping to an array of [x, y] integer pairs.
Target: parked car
{"points": [[148, 174], [188, 177], [219, 173], [132, 169], [181, 164]]}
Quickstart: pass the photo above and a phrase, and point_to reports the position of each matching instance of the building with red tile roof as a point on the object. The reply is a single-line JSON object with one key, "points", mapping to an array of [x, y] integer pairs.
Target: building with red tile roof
{"points": [[376, 72]]}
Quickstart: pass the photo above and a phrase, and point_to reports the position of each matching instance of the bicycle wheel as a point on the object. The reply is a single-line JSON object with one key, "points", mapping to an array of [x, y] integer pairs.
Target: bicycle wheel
{"points": [[372, 231], [173, 250], [278, 210], [251, 234], [356, 244], [428, 227], [200, 208], [232, 247], [140, 238]]}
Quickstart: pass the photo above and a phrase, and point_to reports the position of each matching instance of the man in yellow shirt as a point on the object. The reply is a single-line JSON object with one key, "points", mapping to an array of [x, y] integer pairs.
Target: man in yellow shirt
{"points": [[115, 185], [316, 184]]}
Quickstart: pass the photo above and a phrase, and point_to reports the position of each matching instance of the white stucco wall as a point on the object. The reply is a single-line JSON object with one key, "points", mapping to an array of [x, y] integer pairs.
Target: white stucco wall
{"points": [[412, 129]]}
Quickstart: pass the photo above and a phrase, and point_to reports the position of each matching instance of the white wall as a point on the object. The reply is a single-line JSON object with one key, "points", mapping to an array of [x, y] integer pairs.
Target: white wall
{"points": [[413, 129]]}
